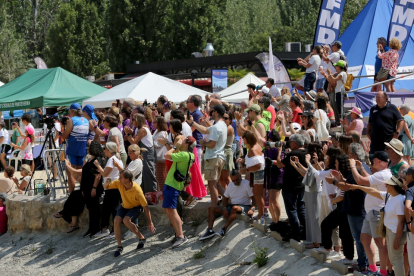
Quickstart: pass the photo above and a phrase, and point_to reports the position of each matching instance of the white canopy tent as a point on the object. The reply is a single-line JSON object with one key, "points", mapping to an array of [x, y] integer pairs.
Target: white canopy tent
{"points": [[149, 86], [1, 84], [240, 86]]}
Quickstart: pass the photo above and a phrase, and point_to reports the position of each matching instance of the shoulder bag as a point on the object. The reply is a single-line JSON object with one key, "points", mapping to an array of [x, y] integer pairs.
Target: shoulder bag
{"points": [[179, 177], [381, 231], [382, 74]]}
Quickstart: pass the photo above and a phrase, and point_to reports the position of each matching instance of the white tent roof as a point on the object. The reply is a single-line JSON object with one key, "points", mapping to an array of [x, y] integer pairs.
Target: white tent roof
{"points": [[240, 86], [149, 86], [1, 84]]}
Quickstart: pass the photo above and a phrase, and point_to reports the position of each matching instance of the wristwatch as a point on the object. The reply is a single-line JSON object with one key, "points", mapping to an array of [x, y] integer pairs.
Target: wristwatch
{"points": [[398, 133]]}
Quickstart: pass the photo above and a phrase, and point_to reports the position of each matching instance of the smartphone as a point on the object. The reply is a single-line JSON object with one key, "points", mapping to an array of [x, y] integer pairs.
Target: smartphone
{"points": [[188, 114], [292, 158], [249, 122]]}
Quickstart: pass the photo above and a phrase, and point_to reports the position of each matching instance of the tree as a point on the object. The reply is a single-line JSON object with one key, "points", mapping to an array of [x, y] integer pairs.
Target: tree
{"points": [[76, 40], [151, 30], [13, 52]]}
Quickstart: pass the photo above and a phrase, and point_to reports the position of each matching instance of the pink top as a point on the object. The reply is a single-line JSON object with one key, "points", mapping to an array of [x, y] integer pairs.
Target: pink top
{"points": [[390, 61], [3, 220], [359, 126]]}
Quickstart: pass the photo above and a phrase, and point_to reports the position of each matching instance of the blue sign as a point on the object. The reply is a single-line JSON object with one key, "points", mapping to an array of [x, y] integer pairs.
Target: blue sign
{"points": [[329, 22], [366, 100], [218, 80], [401, 23]]}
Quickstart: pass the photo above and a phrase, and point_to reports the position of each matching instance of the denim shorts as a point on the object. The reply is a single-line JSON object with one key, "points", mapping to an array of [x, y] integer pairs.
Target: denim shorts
{"points": [[76, 160], [320, 83], [259, 177], [170, 197], [245, 208], [133, 213]]}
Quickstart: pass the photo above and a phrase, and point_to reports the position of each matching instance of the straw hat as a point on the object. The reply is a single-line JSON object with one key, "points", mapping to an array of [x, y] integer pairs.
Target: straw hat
{"points": [[396, 146]]}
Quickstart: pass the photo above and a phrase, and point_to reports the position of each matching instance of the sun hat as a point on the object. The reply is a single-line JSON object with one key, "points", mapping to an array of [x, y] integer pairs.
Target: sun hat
{"points": [[357, 111], [394, 181], [254, 107], [396, 146], [312, 95], [29, 130]]}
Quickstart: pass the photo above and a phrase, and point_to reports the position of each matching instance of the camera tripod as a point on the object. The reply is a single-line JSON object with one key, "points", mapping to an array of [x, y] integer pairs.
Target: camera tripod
{"points": [[54, 155]]}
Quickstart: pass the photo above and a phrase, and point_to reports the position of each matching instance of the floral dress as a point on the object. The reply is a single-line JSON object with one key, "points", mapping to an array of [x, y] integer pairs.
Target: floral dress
{"points": [[390, 61]]}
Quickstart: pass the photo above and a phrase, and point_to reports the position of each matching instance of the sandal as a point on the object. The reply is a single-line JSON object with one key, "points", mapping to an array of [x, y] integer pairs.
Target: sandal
{"points": [[189, 201], [57, 215], [72, 228], [312, 246]]}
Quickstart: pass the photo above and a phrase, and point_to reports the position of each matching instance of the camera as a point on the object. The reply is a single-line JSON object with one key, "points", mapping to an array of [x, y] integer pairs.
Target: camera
{"points": [[277, 144], [48, 120]]}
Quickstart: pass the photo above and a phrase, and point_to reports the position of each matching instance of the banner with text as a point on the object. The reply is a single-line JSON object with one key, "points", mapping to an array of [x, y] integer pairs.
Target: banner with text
{"points": [[366, 100], [329, 22], [401, 23]]}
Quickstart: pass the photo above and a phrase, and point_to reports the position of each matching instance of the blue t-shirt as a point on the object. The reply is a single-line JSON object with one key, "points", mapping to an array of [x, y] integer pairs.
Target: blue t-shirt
{"points": [[197, 134], [378, 61], [409, 193], [236, 135], [78, 137]]}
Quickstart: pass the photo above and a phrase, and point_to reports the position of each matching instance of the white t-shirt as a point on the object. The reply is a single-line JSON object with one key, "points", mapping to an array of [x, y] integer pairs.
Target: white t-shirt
{"points": [[4, 133], [239, 195], [114, 174], [377, 181], [58, 128], [136, 168], [186, 130], [340, 83], [274, 91], [333, 58], [327, 188], [315, 60], [393, 209], [323, 117], [324, 65]]}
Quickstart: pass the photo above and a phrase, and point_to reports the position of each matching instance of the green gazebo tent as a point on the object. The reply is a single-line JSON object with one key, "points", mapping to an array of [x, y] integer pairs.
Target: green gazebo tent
{"points": [[46, 87]]}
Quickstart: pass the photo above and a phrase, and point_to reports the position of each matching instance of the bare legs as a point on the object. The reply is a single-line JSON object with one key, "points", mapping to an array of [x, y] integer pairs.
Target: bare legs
{"points": [[258, 195], [370, 250], [131, 226], [274, 206], [176, 221]]}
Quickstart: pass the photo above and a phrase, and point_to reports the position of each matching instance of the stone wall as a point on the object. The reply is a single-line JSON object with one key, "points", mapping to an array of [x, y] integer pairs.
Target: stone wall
{"points": [[35, 213]]}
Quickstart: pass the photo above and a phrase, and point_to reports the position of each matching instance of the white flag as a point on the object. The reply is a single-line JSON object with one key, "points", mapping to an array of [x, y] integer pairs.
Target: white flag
{"points": [[271, 73], [40, 63]]}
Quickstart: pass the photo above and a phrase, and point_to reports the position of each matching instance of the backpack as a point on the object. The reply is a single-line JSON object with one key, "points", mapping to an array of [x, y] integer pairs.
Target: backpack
{"points": [[348, 84]]}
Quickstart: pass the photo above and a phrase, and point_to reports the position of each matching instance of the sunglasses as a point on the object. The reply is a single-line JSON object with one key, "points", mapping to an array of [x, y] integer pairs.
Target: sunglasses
{"points": [[226, 118]]}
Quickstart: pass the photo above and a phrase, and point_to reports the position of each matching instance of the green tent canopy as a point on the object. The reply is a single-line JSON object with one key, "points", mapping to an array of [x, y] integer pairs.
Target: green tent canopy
{"points": [[46, 87]]}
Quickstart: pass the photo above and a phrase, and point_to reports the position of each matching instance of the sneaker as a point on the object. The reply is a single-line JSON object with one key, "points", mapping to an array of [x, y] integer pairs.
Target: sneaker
{"points": [[118, 252], [266, 214], [221, 233], [208, 234], [346, 261], [110, 236], [129, 235], [140, 244], [173, 240], [390, 273], [101, 234], [322, 250], [180, 241], [262, 220], [376, 273], [333, 255]]}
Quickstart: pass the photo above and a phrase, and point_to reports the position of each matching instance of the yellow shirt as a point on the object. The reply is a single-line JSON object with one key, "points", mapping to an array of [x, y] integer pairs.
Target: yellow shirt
{"points": [[130, 198]]}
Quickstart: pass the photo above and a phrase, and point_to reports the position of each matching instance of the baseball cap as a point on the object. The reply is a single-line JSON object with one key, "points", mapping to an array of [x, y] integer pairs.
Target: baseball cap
{"points": [[381, 155], [340, 63], [306, 113], [265, 90], [409, 170], [254, 107], [191, 141], [220, 109], [90, 110], [337, 44], [75, 106], [296, 126], [394, 181]]}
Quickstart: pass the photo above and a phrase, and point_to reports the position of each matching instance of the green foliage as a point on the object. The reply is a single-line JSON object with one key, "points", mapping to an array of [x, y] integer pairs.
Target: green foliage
{"points": [[236, 74], [76, 40], [261, 255], [199, 254], [13, 51], [295, 73]]}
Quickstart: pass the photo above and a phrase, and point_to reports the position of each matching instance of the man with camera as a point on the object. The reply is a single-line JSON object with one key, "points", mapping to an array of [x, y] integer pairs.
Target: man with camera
{"points": [[178, 176], [293, 190]]}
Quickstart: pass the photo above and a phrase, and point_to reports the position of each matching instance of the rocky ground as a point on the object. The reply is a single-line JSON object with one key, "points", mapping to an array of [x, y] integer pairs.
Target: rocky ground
{"points": [[70, 254]]}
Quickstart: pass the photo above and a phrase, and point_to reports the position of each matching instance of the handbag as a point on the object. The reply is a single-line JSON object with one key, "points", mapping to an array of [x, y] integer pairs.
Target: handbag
{"points": [[321, 130], [179, 177], [382, 74], [381, 230]]}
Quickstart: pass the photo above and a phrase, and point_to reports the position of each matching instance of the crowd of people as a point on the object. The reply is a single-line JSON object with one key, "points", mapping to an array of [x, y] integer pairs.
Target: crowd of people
{"points": [[335, 191]]}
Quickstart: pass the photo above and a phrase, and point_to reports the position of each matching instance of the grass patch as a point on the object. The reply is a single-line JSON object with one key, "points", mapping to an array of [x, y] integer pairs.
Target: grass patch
{"points": [[199, 254], [261, 255], [50, 248]]}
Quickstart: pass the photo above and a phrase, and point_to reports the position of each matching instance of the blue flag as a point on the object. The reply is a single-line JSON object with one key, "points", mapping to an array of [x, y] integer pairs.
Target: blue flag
{"points": [[329, 22], [401, 23]]}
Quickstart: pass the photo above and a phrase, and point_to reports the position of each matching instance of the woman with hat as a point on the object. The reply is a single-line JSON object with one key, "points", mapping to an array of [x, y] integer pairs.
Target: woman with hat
{"points": [[394, 219], [26, 183], [357, 124], [406, 136]]}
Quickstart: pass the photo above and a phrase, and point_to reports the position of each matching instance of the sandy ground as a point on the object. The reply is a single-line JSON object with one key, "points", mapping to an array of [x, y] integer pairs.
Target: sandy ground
{"points": [[70, 254]]}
